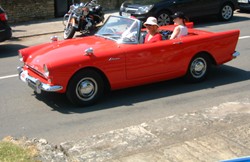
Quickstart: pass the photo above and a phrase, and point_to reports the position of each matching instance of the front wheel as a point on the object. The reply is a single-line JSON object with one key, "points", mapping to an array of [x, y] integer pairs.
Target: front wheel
{"points": [[198, 68], [85, 88], [69, 31], [226, 12]]}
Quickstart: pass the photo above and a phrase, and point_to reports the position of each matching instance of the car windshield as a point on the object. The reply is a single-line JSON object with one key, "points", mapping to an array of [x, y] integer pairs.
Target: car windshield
{"points": [[121, 29]]}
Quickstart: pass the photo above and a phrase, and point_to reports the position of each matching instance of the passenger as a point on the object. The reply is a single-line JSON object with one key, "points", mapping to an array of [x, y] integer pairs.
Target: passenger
{"points": [[181, 29], [153, 34]]}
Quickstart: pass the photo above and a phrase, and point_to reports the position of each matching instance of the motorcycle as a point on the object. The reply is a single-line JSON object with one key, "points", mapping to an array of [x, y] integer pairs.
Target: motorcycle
{"points": [[82, 17]]}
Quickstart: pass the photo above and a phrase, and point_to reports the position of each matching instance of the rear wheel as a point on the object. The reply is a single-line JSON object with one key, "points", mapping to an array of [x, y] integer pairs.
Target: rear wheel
{"points": [[164, 18], [198, 68], [226, 12], [85, 88]]}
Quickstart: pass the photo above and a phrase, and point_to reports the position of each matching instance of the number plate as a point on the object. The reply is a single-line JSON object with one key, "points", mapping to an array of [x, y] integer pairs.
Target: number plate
{"points": [[243, 1], [32, 85]]}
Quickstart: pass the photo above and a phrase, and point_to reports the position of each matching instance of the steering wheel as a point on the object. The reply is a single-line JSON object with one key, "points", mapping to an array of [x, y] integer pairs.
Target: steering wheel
{"points": [[131, 37]]}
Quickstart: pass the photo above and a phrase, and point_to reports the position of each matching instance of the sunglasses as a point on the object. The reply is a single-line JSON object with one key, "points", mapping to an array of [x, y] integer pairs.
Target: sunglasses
{"points": [[149, 25]]}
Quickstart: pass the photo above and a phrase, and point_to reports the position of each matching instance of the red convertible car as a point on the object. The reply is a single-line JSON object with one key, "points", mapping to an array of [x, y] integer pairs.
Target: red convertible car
{"points": [[116, 57]]}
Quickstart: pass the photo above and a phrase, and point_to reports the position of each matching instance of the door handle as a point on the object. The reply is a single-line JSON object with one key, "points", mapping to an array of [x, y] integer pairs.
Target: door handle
{"points": [[177, 43]]}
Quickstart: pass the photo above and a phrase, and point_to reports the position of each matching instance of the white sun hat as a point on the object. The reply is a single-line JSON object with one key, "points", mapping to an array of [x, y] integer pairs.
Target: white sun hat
{"points": [[151, 21]]}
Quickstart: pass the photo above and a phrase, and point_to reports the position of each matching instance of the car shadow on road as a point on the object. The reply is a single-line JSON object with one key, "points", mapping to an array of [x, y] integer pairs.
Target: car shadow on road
{"points": [[126, 97], [10, 50]]}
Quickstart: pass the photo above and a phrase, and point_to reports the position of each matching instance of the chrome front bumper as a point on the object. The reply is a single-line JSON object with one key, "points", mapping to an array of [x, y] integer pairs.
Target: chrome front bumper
{"points": [[36, 84], [236, 54]]}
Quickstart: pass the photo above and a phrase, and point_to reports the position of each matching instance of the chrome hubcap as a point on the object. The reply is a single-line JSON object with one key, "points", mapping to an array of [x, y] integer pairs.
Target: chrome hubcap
{"points": [[86, 89], [227, 12], [163, 19], [198, 67]]}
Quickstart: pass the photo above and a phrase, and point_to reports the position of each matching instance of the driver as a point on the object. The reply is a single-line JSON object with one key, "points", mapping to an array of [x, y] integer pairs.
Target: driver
{"points": [[152, 28]]}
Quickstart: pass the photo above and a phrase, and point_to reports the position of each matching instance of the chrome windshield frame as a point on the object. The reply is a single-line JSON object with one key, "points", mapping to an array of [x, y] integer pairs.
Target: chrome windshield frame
{"points": [[122, 30]]}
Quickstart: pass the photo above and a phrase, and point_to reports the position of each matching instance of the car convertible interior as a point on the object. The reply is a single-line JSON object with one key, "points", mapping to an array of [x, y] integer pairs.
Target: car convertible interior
{"points": [[125, 30], [164, 33]]}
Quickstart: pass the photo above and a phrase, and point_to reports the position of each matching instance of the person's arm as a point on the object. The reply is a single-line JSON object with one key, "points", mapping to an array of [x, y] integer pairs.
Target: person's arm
{"points": [[175, 32]]}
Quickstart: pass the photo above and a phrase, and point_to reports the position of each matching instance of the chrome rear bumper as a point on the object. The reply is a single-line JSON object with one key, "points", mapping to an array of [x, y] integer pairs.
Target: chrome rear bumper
{"points": [[35, 83], [235, 54]]}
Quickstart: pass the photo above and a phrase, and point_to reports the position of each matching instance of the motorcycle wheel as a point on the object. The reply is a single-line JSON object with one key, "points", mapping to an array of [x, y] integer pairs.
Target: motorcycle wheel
{"points": [[69, 31]]}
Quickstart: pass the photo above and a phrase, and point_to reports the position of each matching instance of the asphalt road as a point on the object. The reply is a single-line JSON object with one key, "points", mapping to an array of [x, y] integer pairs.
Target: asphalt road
{"points": [[51, 116]]}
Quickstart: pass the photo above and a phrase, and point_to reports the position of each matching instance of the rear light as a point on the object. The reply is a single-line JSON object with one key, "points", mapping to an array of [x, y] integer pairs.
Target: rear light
{"points": [[3, 17]]}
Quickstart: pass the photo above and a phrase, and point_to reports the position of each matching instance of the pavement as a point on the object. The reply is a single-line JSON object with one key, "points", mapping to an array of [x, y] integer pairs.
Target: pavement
{"points": [[213, 134], [42, 27], [36, 28]]}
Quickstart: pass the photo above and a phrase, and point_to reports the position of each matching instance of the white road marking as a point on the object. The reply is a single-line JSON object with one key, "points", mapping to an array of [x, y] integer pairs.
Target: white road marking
{"points": [[8, 76], [244, 37], [15, 75]]}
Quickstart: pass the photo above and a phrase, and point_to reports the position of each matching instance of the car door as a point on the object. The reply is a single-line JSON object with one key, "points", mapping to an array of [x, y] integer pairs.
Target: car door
{"points": [[208, 7], [190, 8], [148, 60], [196, 8]]}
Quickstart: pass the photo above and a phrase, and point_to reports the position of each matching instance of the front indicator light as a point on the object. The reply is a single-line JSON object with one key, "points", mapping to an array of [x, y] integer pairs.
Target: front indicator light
{"points": [[46, 70], [20, 56]]}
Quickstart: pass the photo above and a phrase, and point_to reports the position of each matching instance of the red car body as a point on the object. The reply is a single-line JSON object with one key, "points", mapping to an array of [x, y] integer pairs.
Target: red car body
{"points": [[120, 65]]}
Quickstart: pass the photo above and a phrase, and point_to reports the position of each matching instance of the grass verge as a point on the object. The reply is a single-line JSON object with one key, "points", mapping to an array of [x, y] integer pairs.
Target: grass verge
{"points": [[10, 152]]}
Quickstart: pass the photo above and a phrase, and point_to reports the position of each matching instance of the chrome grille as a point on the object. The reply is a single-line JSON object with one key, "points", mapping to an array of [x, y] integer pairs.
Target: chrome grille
{"points": [[36, 71]]}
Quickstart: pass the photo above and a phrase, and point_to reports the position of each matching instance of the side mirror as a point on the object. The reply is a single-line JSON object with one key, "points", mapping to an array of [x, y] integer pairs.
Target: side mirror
{"points": [[54, 38]]}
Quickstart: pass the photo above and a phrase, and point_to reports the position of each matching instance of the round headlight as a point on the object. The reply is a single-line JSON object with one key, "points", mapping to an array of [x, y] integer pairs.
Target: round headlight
{"points": [[144, 9]]}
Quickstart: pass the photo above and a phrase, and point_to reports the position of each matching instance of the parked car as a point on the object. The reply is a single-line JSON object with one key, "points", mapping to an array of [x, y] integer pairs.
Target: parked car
{"points": [[163, 9], [116, 57], [5, 30], [244, 5]]}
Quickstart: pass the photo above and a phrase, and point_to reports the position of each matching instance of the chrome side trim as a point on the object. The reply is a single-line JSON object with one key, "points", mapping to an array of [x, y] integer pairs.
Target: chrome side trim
{"points": [[114, 58], [235, 54], [35, 83]]}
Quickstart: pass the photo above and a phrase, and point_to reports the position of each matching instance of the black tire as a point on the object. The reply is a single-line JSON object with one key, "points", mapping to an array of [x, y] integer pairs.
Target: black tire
{"points": [[164, 18], [226, 12], [69, 31], [198, 68], [85, 88]]}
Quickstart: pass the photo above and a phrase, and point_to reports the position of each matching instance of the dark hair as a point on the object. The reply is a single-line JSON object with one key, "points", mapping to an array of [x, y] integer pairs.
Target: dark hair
{"points": [[181, 15]]}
